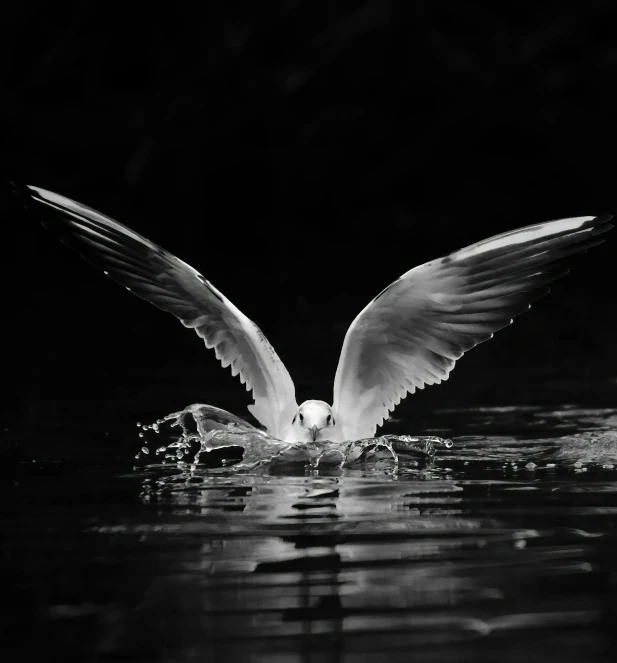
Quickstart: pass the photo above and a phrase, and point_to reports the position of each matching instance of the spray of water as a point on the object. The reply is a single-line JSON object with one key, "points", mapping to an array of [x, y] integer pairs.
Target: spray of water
{"points": [[200, 429]]}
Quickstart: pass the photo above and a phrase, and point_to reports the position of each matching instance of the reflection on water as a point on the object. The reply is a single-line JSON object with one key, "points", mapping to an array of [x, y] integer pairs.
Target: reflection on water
{"points": [[496, 549]]}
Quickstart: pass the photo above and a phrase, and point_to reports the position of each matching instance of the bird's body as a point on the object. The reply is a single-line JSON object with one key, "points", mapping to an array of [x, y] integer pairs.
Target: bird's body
{"points": [[410, 335]]}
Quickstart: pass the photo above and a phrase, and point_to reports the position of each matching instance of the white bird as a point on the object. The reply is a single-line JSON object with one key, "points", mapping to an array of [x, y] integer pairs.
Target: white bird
{"points": [[409, 336]]}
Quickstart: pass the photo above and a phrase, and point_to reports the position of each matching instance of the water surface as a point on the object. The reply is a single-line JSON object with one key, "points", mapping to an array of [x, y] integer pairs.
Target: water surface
{"points": [[501, 548]]}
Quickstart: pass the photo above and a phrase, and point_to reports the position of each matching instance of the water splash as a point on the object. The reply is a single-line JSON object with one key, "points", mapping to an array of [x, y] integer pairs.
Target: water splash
{"points": [[201, 429]]}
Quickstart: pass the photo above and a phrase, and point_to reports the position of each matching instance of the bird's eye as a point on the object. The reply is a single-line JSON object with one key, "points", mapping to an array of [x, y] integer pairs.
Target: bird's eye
{"points": [[301, 418], [328, 418]]}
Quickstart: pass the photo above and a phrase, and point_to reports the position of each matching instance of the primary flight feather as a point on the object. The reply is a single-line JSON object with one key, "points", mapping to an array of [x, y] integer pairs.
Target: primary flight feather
{"points": [[410, 335]]}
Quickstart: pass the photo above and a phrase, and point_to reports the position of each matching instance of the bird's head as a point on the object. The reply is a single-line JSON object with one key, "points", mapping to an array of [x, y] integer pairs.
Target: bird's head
{"points": [[313, 421]]}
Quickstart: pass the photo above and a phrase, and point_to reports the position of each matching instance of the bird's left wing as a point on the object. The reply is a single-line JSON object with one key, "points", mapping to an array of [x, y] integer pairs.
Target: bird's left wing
{"points": [[157, 276], [414, 331]]}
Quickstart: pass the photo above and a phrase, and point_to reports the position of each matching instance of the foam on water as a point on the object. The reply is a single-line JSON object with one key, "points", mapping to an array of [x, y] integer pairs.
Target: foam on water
{"points": [[200, 429]]}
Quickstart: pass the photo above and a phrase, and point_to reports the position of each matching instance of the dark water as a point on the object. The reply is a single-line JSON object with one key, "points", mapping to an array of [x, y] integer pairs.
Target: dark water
{"points": [[502, 548]]}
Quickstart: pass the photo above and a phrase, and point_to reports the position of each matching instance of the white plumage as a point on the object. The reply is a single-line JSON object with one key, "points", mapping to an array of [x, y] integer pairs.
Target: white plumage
{"points": [[410, 335]]}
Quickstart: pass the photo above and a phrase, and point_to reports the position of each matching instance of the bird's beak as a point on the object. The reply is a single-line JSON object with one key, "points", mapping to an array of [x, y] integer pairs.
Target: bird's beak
{"points": [[314, 432]]}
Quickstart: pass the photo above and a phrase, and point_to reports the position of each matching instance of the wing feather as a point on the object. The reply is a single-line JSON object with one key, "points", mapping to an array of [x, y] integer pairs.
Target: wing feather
{"points": [[416, 329], [157, 276]]}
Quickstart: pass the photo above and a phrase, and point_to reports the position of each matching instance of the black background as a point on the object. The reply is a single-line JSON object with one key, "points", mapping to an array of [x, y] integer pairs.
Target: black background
{"points": [[301, 155]]}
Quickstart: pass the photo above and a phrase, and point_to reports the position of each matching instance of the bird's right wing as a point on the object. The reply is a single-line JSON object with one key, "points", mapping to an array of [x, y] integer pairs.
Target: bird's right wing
{"points": [[160, 278], [413, 333]]}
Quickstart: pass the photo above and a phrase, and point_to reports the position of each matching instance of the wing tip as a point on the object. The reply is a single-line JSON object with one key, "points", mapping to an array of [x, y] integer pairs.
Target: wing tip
{"points": [[22, 192], [588, 221], [28, 190], [18, 187], [599, 224]]}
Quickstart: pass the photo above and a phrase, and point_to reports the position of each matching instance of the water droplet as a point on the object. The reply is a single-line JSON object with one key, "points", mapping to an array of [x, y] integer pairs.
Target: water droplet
{"points": [[145, 450], [160, 450], [138, 424], [137, 455], [141, 434]]}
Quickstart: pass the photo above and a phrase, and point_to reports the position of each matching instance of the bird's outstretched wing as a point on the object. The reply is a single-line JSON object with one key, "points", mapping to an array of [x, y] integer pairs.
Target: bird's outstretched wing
{"points": [[414, 331], [160, 278]]}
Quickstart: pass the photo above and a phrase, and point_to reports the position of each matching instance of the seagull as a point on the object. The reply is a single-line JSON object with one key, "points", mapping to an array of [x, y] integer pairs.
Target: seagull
{"points": [[410, 335]]}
